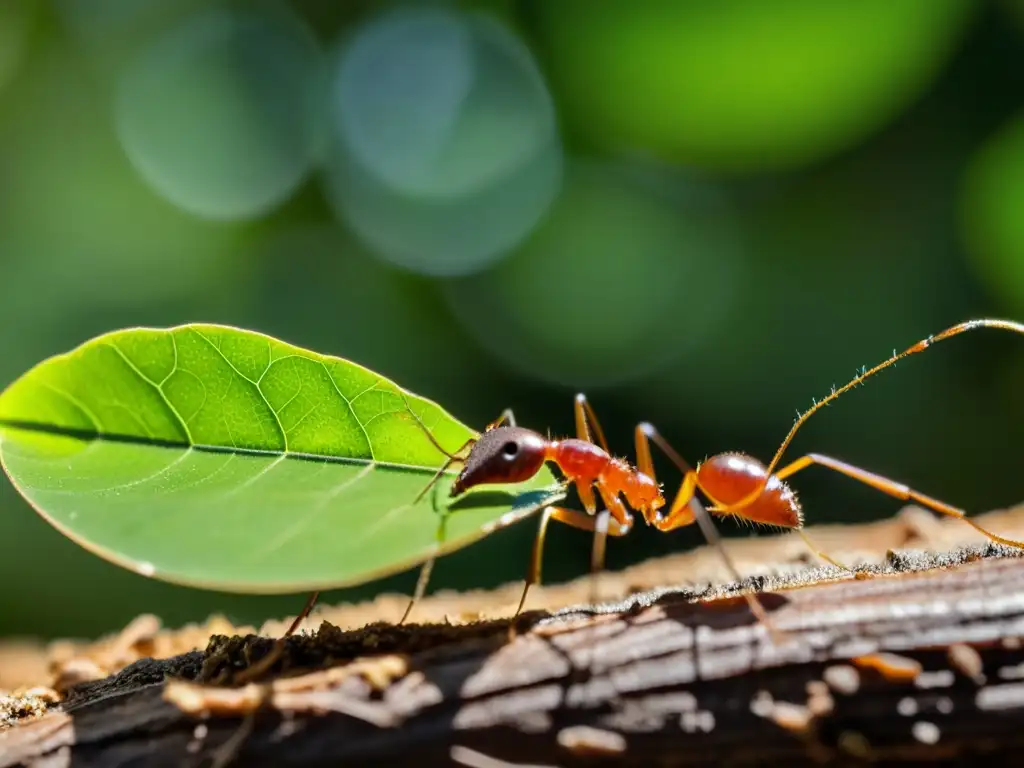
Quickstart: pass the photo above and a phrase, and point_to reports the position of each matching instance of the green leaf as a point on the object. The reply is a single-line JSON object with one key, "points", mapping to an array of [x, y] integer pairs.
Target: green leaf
{"points": [[220, 458]]}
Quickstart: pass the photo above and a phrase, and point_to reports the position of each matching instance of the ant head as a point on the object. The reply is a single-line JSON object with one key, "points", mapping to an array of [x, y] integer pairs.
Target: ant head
{"points": [[502, 455]]}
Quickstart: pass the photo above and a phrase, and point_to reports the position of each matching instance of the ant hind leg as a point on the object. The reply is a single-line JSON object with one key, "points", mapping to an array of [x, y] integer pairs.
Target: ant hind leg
{"points": [[890, 488], [686, 508]]}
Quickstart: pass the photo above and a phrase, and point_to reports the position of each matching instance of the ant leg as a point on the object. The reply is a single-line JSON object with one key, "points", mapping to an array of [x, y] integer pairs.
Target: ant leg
{"points": [[424, 577], [686, 497], [571, 517], [507, 417], [614, 511], [685, 509], [452, 457], [307, 609], [443, 468], [421, 588], [584, 413], [600, 528], [891, 488], [277, 649]]}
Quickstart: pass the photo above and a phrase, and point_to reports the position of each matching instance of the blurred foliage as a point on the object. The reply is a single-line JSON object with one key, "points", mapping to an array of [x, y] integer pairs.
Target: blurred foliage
{"points": [[703, 214]]}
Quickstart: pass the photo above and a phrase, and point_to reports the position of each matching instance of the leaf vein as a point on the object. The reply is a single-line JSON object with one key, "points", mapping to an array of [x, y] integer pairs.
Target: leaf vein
{"points": [[366, 435], [256, 386], [147, 380], [75, 402]]}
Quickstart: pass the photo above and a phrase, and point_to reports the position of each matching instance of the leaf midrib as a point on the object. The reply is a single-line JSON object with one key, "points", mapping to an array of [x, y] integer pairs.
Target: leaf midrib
{"points": [[87, 437]]}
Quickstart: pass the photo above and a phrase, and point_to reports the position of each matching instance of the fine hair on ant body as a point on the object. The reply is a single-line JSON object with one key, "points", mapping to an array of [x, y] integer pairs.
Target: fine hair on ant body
{"points": [[735, 483]]}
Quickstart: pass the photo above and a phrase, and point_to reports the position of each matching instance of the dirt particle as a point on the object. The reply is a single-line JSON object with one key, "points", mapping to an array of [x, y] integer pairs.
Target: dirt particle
{"points": [[820, 702], [842, 678], [197, 700], [584, 740], [895, 668], [907, 706], [967, 661], [21, 705], [1014, 672], [762, 703], [793, 717], [701, 721], [816, 688], [939, 678], [997, 697], [926, 733]]}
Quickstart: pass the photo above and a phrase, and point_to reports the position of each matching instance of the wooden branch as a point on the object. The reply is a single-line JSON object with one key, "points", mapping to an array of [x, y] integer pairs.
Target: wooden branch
{"points": [[924, 662]]}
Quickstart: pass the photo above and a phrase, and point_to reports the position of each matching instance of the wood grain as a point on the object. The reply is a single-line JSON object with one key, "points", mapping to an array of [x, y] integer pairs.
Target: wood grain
{"points": [[924, 661]]}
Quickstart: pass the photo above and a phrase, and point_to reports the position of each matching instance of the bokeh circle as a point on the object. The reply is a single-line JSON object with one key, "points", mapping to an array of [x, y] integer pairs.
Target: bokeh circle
{"points": [[445, 150], [219, 114]]}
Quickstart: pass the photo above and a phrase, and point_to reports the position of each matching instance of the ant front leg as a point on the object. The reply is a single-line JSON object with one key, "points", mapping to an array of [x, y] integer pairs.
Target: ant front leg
{"points": [[571, 517]]}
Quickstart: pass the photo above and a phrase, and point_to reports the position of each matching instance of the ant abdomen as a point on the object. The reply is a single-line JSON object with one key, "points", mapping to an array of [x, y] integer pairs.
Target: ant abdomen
{"points": [[731, 477]]}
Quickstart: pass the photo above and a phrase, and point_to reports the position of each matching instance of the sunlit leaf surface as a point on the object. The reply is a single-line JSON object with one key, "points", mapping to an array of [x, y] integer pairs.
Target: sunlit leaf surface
{"points": [[217, 457]]}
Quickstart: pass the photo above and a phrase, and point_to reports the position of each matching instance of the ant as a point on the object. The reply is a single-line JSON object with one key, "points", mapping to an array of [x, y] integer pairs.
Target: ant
{"points": [[735, 483]]}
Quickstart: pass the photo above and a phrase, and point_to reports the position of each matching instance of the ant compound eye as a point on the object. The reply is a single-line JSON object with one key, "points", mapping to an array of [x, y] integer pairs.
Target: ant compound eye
{"points": [[510, 449]]}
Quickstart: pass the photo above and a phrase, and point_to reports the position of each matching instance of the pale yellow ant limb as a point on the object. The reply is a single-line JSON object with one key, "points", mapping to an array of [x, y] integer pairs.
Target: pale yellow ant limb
{"points": [[421, 588], [890, 488]]}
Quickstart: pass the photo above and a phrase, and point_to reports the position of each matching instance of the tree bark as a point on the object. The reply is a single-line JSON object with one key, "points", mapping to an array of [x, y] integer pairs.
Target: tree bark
{"points": [[924, 662]]}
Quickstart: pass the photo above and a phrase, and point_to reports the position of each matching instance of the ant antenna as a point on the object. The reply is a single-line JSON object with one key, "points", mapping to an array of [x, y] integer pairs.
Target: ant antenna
{"points": [[452, 457], [969, 325]]}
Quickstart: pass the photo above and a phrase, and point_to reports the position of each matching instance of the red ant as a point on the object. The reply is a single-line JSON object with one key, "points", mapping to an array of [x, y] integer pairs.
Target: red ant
{"points": [[735, 483]]}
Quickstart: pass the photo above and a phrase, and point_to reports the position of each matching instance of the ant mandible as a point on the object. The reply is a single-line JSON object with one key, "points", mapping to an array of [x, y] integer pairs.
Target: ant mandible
{"points": [[735, 483]]}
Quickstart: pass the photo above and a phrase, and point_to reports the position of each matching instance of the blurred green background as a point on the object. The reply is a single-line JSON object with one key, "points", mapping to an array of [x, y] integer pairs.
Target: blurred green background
{"points": [[701, 214]]}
